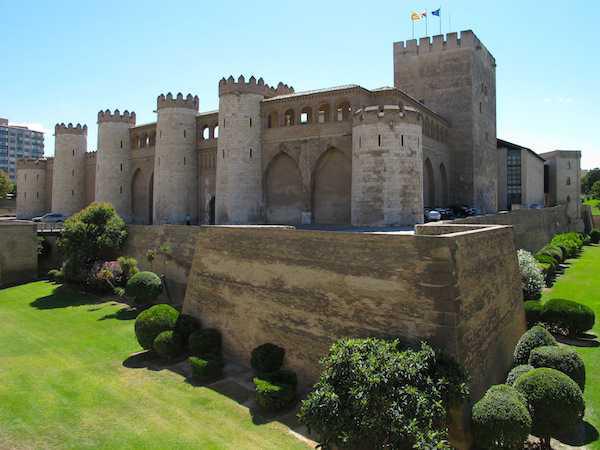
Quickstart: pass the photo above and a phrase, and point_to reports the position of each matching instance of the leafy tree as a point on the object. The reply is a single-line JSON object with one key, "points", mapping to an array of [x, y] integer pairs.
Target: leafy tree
{"points": [[595, 190], [373, 394], [589, 179], [5, 185]]}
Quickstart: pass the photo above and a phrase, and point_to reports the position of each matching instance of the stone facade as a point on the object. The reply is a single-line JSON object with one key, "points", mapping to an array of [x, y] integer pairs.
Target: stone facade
{"points": [[562, 183], [18, 252]]}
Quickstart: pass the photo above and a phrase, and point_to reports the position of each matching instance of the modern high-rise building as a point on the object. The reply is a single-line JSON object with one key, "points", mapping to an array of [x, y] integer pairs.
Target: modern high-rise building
{"points": [[18, 142]]}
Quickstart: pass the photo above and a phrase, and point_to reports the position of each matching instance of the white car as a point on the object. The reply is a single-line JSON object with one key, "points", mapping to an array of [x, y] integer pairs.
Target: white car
{"points": [[431, 215], [50, 218]]}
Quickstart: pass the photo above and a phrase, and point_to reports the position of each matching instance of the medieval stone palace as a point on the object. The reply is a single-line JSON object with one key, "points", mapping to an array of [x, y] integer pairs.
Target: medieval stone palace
{"points": [[343, 155]]}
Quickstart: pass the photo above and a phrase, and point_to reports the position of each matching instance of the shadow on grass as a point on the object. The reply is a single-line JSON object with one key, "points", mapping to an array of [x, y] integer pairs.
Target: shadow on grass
{"points": [[583, 340], [126, 313], [64, 296], [581, 435]]}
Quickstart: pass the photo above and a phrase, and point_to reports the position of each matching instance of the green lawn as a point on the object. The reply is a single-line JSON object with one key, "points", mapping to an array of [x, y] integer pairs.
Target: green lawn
{"points": [[63, 384], [581, 282], [595, 204]]}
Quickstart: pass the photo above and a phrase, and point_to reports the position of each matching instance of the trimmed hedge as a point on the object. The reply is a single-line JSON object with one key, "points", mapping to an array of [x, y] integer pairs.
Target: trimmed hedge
{"points": [[533, 312], [555, 401], [564, 359], [537, 336], [267, 358], [168, 344], [206, 369], [516, 372], [570, 243], [272, 396], [186, 325], [205, 343], [595, 236], [153, 321], [571, 317], [501, 419], [144, 287]]}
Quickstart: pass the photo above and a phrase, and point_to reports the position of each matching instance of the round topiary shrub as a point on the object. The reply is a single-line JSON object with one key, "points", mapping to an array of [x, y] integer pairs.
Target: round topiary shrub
{"points": [[501, 419], [186, 325], [153, 321], [206, 369], [272, 396], [555, 402], [144, 287], [168, 344], [533, 312], [571, 317], [552, 250], [595, 236], [205, 343], [516, 372], [537, 336], [564, 359], [267, 358]]}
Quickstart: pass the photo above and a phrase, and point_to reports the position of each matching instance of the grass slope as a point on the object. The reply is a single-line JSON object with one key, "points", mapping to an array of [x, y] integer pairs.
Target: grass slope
{"points": [[63, 385], [581, 282], [595, 204]]}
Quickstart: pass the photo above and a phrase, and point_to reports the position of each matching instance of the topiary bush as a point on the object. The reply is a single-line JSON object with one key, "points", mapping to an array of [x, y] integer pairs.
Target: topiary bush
{"points": [[532, 278], [595, 236], [144, 287], [570, 243], [570, 317], [153, 321], [533, 312], [516, 372], [168, 344], [564, 359], [553, 251], [267, 358], [206, 369], [555, 402], [205, 343], [273, 396], [186, 325], [501, 419], [537, 336]]}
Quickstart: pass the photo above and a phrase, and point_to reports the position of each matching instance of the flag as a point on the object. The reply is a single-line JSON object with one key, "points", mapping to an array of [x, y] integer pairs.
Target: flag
{"points": [[414, 16], [424, 14], [437, 12]]}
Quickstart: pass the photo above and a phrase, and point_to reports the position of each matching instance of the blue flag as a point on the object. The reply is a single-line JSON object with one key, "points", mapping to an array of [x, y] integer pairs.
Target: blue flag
{"points": [[437, 12]]}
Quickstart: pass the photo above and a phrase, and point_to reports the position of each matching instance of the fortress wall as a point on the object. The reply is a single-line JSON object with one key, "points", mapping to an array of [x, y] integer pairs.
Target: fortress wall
{"points": [[533, 228], [304, 289], [18, 252]]}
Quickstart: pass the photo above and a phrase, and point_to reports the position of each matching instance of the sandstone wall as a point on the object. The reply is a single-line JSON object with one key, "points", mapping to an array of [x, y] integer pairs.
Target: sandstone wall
{"points": [[302, 290], [18, 252]]}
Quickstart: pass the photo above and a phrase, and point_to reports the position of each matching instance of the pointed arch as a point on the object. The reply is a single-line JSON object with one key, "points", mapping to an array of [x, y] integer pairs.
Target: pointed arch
{"points": [[428, 185], [331, 188], [283, 191]]}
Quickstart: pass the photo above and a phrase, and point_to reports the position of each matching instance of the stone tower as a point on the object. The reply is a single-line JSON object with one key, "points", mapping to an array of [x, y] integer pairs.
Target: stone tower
{"points": [[387, 167], [239, 198], [176, 161], [456, 77], [113, 161], [68, 178], [31, 187]]}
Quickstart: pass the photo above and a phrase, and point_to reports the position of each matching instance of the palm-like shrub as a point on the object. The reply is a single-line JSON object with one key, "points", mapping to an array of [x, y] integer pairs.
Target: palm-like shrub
{"points": [[532, 278]]}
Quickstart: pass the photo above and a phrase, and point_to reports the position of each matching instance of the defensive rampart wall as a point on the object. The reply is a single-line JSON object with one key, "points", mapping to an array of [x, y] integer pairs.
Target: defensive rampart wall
{"points": [[18, 252]]}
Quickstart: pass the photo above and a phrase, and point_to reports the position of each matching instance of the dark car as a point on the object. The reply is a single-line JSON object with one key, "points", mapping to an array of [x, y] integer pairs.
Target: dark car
{"points": [[446, 213]]}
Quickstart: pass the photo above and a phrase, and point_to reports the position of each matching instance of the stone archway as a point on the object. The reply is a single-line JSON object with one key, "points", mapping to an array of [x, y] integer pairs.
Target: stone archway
{"points": [[284, 192], [331, 193], [428, 185]]}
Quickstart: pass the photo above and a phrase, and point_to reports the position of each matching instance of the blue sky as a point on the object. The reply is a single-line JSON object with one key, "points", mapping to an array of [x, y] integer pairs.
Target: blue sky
{"points": [[64, 61]]}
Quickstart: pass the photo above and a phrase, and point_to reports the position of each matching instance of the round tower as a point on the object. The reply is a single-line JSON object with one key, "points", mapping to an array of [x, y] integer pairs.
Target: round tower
{"points": [[176, 161], [68, 178], [239, 196], [31, 188], [387, 167], [113, 161]]}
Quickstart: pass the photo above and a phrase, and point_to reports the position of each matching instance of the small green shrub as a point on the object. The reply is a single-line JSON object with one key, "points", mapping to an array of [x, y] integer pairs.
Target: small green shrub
{"points": [[128, 267], [533, 312], [119, 291], [168, 345], [281, 376], [595, 236], [554, 251], [267, 358], [144, 287], [501, 419], [532, 278], [543, 258], [56, 275], [153, 321], [206, 369], [564, 359], [537, 336], [272, 396], [570, 243], [555, 402], [186, 325], [205, 343], [516, 372], [571, 317]]}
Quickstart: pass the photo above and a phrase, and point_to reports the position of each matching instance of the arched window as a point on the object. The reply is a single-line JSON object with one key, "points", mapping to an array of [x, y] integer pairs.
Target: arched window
{"points": [[152, 139], [324, 113], [205, 132], [216, 131], [306, 115], [342, 111], [290, 117], [273, 120]]}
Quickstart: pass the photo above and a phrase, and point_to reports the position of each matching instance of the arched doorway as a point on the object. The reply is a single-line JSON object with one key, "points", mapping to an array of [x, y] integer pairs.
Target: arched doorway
{"points": [[443, 196], [284, 193], [332, 181], [428, 185], [211, 211]]}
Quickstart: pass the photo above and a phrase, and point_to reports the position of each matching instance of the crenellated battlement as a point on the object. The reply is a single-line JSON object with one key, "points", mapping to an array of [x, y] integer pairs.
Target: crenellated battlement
{"points": [[376, 113], [189, 101], [91, 155], [61, 128], [31, 163], [126, 117], [440, 42], [254, 86]]}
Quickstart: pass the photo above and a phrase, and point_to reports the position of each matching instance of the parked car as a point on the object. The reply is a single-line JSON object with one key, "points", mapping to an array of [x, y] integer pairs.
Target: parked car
{"points": [[50, 218], [446, 213], [464, 211], [431, 215]]}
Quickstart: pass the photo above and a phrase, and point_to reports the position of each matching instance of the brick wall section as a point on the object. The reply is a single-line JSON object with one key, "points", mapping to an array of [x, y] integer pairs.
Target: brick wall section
{"points": [[18, 252], [305, 289]]}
